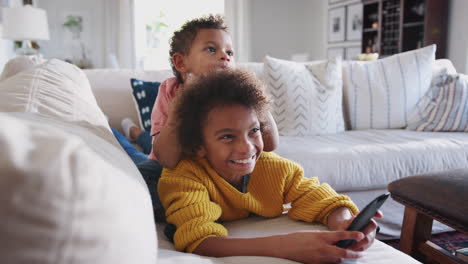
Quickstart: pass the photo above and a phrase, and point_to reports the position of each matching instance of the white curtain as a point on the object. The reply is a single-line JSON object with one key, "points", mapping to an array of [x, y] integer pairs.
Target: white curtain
{"points": [[119, 34], [237, 13]]}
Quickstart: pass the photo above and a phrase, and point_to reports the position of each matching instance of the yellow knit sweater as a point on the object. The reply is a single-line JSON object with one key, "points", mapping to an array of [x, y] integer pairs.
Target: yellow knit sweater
{"points": [[196, 197]]}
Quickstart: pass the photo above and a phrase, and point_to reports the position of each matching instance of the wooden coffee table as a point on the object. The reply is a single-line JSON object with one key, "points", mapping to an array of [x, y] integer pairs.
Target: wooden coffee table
{"points": [[442, 196]]}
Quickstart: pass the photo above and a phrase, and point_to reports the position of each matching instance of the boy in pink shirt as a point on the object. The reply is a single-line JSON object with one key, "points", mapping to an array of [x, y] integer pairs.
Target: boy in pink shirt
{"points": [[200, 46]]}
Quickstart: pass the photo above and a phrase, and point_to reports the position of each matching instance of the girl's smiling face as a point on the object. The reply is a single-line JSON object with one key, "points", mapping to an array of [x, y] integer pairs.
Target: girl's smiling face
{"points": [[232, 141]]}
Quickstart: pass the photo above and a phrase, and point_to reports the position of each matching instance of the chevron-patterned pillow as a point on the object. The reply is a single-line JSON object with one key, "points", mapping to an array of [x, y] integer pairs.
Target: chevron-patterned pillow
{"points": [[307, 97]]}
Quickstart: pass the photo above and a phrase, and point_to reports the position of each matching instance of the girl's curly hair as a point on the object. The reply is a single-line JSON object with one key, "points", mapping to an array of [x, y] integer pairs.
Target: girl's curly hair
{"points": [[181, 41], [218, 88]]}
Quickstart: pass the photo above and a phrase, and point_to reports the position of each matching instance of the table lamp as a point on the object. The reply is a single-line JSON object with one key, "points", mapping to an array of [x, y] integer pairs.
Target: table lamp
{"points": [[25, 23]]}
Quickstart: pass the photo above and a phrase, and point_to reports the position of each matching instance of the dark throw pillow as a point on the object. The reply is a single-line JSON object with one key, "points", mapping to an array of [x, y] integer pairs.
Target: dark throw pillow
{"points": [[145, 95]]}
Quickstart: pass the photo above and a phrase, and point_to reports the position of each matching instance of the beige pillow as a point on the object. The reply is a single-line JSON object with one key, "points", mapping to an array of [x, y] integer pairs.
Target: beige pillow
{"points": [[19, 64], [307, 97], [56, 89], [68, 195]]}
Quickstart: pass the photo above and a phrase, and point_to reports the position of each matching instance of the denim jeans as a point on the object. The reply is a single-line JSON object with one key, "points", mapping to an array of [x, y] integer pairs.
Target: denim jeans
{"points": [[143, 140], [149, 169], [151, 172]]}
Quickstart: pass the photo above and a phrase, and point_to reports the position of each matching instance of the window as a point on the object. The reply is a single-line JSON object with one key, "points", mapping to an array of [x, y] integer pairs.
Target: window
{"points": [[155, 22]]}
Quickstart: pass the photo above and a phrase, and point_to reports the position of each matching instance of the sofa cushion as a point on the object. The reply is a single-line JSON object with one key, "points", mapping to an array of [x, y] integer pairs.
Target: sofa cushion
{"points": [[19, 64], [69, 194], [380, 94], [370, 159], [307, 97], [115, 81], [145, 94], [444, 107], [56, 89]]}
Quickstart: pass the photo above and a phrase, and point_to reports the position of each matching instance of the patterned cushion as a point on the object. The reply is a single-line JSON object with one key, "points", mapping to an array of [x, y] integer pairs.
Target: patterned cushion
{"points": [[445, 105], [307, 96], [380, 94], [145, 95]]}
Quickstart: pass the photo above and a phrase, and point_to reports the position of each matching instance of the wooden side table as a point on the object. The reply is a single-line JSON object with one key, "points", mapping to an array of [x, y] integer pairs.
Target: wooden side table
{"points": [[442, 196]]}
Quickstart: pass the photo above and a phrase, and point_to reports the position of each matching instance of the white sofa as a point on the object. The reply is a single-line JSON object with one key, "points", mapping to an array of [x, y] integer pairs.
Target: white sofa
{"points": [[61, 142], [359, 163]]}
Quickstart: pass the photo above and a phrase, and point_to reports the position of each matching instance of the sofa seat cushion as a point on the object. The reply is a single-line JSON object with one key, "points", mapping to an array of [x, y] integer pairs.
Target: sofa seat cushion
{"points": [[256, 226], [69, 194], [369, 159]]}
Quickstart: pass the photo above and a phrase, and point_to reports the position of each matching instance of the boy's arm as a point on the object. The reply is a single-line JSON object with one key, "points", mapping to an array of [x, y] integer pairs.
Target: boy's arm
{"points": [[166, 146], [270, 134]]}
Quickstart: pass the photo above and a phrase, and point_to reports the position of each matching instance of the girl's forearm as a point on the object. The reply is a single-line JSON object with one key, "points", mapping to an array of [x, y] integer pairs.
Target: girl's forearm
{"points": [[337, 217], [227, 246]]}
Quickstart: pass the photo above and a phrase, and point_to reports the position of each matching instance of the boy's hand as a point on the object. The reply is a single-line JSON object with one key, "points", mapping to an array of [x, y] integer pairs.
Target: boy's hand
{"points": [[318, 247], [369, 233]]}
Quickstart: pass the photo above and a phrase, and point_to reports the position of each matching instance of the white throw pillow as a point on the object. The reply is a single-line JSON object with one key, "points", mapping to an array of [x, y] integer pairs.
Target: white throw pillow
{"points": [[444, 107], [54, 88], [68, 195], [380, 94], [19, 64], [307, 97]]}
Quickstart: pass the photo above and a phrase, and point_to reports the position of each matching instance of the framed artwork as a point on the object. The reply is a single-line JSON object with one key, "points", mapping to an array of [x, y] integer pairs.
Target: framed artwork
{"points": [[335, 52], [336, 24], [352, 53], [354, 21]]}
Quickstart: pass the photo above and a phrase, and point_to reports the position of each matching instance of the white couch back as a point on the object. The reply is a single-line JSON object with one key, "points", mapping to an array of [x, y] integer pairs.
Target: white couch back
{"points": [[114, 93]]}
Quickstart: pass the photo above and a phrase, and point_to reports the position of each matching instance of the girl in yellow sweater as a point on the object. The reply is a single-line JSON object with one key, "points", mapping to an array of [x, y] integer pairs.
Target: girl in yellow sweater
{"points": [[226, 177]]}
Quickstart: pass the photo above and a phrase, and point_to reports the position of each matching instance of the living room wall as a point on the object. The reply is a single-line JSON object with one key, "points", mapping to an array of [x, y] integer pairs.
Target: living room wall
{"points": [[457, 48], [278, 28], [282, 28]]}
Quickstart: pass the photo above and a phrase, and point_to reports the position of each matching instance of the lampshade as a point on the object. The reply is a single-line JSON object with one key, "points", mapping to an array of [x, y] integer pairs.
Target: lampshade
{"points": [[25, 23]]}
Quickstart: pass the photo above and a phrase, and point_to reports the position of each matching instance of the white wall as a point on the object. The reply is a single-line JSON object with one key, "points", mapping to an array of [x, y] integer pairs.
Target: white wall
{"points": [[281, 28], [61, 45], [457, 35], [6, 46]]}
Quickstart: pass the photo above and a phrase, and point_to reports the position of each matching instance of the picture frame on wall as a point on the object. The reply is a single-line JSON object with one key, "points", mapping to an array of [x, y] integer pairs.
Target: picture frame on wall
{"points": [[354, 21], [335, 52], [336, 24], [352, 53]]}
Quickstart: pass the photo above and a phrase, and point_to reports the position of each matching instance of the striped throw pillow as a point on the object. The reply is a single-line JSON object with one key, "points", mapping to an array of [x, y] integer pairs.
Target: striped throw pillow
{"points": [[380, 94], [445, 105]]}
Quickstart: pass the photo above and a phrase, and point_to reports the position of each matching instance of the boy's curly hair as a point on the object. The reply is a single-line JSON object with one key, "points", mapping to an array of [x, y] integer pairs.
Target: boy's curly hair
{"points": [[218, 88], [181, 41]]}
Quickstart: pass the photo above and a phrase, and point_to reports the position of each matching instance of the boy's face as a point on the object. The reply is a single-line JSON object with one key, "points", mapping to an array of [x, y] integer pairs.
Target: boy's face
{"points": [[211, 50], [232, 141]]}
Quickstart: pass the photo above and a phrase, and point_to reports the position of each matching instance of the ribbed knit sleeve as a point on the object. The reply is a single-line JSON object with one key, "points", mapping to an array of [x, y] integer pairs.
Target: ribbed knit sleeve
{"points": [[188, 206], [312, 201]]}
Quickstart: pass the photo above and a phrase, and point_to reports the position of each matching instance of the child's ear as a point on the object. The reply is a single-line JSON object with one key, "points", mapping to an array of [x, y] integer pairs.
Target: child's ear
{"points": [[201, 152], [179, 62]]}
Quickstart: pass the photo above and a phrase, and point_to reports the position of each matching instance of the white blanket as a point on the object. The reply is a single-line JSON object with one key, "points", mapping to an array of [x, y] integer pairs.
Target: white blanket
{"points": [[371, 159], [258, 226]]}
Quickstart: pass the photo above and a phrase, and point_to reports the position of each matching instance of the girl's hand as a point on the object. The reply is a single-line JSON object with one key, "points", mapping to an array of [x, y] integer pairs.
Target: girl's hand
{"points": [[318, 247], [369, 233]]}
